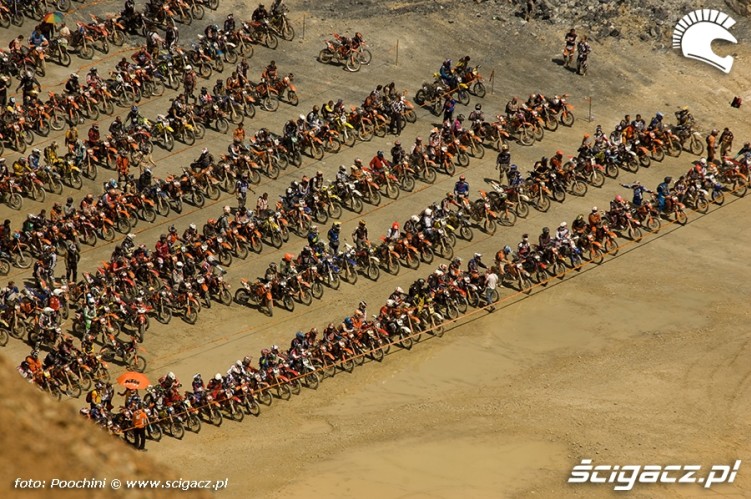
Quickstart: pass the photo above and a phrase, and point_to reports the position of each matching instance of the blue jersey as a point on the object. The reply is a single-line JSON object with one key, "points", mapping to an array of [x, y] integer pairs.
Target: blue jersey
{"points": [[638, 194]]}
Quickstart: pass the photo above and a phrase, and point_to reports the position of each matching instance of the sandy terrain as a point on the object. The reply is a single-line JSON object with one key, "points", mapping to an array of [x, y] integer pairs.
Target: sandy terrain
{"points": [[639, 361]]}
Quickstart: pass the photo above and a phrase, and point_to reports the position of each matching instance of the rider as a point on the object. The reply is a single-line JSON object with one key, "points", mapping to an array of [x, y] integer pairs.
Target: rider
{"points": [[94, 135], [684, 116], [447, 74], [360, 235], [512, 107], [260, 14], [477, 117], [378, 163], [333, 236], [37, 38], [313, 238], [568, 52], [392, 235], [579, 226], [656, 123], [544, 239], [134, 117], [427, 222], [73, 86], [229, 23], [594, 219], [475, 263], [205, 160], [271, 73], [663, 191], [461, 188], [583, 48], [524, 248], [639, 191]]}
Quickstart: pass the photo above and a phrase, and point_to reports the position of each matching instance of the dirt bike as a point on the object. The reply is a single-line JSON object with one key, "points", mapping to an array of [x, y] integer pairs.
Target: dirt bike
{"points": [[336, 52]]}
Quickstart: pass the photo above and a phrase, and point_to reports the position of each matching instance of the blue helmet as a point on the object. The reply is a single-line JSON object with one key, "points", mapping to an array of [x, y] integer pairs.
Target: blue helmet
{"points": [[348, 322], [514, 168], [300, 335]]}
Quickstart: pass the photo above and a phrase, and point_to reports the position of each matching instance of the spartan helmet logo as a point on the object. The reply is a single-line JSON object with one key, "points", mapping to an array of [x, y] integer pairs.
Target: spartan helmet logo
{"points": [[696, 31]]}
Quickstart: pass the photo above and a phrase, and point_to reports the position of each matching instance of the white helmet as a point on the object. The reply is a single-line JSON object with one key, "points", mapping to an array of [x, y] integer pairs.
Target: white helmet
{"points": [[47, 310], [478, 255], [188, 68], [227, 209], [192, 226], [171, 375], [428, 212], [179, 265], [563, 225], [414, 218], [390, 303], [399, 290], [218, 377]]}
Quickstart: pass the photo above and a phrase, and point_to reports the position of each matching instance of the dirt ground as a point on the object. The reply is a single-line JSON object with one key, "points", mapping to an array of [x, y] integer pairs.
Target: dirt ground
{"points": [[639, 361]]}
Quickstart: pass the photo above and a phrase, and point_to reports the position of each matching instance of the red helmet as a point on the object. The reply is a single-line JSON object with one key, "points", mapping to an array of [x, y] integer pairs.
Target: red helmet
{"points": [[395, 225], [697, 168], [288, 257], [619, 198]]}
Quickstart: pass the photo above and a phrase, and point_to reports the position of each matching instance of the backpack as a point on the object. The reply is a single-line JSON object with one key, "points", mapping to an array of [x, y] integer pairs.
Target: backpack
{"points": [[89, 397]]}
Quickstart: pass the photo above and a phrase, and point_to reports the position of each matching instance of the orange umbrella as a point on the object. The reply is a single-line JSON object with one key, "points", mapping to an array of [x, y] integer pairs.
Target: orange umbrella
{"points": [[133, 381]]}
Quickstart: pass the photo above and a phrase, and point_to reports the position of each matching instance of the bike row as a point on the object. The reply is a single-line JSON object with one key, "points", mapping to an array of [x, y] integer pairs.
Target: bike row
{"points": [[447, 293], [587, 240]]}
